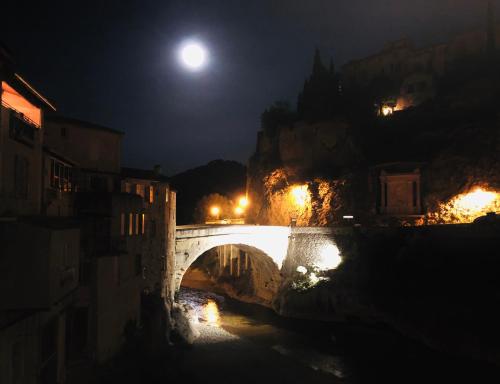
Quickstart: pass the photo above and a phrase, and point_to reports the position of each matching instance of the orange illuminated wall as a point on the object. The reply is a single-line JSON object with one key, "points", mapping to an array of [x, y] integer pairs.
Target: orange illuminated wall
{"points": [[13, 100]]}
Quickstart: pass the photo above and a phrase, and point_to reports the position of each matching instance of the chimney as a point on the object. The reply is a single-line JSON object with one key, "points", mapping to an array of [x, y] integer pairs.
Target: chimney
{"points": [[157, 170]]}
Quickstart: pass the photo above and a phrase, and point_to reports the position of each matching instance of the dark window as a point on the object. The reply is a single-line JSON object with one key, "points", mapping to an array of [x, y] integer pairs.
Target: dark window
{"points": [[48, 347], [21, 176], [415, 192], [152, 228], [98, 184], [17, 363], [85, 272], [138, 264], [63, 132], [385, 194], [21, 128], [421, 86]]}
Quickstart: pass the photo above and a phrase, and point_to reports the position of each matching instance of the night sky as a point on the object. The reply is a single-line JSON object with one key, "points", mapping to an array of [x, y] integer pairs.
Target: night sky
{"points": [[115, 63]]}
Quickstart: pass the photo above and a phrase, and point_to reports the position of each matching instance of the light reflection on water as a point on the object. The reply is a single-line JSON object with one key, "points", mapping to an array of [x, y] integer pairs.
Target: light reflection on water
{"points": [[208, 309], [211, 313]]}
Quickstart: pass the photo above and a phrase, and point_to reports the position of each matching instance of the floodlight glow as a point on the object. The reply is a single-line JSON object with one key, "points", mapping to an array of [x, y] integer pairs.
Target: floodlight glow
{"points": [[329, 257]]}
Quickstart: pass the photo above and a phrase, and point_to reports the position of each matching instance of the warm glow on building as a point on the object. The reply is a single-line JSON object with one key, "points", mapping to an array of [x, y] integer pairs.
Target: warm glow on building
{"points": [[300, 194], [467, 207], [211, 313], [15, 101]]}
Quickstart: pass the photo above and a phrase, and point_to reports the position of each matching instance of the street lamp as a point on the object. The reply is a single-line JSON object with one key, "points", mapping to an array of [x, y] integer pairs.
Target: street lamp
{"points": [[243, 202], [215, 212]]}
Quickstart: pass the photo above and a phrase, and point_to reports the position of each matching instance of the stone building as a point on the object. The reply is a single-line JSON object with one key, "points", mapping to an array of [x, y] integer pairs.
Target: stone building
{"points": [[39, 262], [158, 215], [409, 72], [124, 214], [73, 289]]}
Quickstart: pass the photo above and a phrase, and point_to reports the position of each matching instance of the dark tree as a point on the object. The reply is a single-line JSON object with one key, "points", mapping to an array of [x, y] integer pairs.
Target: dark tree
{"points": [[320, 96], [279, 114]]}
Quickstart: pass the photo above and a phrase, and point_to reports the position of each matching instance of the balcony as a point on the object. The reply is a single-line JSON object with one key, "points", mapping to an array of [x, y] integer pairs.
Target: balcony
{"points": [[20, 127]]}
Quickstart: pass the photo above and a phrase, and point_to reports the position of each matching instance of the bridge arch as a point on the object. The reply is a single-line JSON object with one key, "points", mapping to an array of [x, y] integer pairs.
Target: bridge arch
{"points": [[192, 242]]}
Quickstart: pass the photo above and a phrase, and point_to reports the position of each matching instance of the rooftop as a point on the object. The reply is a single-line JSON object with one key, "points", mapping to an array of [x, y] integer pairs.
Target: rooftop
{"points": [[57, 119], [144, 174]]}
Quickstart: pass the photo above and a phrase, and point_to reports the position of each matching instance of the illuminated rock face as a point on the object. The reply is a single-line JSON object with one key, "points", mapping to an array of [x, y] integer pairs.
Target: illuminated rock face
{"points": [[466, 207]]}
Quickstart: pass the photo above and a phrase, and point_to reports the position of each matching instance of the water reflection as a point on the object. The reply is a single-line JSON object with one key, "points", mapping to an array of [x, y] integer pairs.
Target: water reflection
{"points": [[211, 313]]}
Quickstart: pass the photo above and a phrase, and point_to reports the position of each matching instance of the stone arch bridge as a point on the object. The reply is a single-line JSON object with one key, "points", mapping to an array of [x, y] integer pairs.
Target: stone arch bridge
{"points": [[306, 245]]}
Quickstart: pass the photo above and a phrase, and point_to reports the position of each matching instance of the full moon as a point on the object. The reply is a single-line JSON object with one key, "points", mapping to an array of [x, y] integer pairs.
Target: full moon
{"points": [[193, 56]]}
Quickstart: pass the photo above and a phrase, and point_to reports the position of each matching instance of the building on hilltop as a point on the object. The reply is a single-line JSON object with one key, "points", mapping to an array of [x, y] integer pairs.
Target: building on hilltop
{"points": [[409, 73]]}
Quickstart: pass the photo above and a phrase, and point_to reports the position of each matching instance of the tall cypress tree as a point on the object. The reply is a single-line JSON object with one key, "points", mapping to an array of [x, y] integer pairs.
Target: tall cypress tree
{"points": [[320, 94]]}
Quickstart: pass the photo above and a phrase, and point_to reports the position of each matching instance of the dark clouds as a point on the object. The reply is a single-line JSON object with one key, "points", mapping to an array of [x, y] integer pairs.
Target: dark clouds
{"points": [[114, 62]]}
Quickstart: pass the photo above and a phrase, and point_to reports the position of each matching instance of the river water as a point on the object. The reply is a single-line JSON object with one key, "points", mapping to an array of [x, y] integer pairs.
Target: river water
{"points": [[242, 343]]}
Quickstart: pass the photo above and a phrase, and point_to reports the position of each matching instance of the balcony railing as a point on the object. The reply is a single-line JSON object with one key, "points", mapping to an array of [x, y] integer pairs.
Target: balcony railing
{"points": [[20, 115], [20, 127]]}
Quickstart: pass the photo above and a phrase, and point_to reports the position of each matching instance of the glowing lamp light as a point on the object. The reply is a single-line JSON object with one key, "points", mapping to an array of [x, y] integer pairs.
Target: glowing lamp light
{"points": [[329, 257], [243, 202], [387, 111], [300, 193], [193, 55], [238, 211], [211, 313], [214, 211]]}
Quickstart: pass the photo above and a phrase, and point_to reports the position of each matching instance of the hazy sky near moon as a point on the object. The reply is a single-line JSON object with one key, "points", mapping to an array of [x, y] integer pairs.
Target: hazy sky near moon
{"points": [[116, 62]]}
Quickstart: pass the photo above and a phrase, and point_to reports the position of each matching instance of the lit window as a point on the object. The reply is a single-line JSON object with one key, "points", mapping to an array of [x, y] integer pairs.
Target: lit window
{"points": [[61, 176], [139, 190], [136, 223], [151, 195], [143, 223], [131, 224], [127, 187]]}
